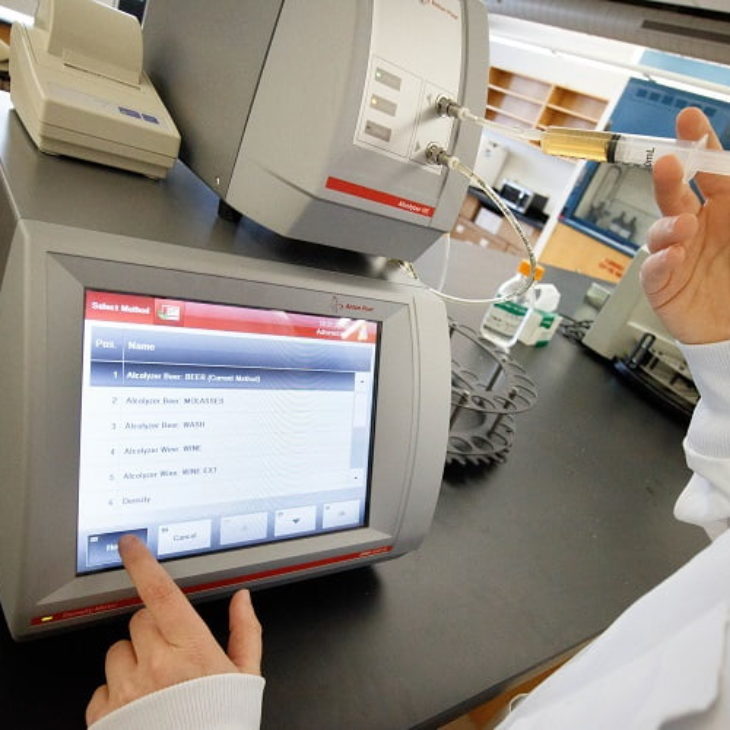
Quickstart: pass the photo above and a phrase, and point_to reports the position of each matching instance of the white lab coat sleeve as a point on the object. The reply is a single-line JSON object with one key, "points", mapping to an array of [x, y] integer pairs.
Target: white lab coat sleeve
{"points": [[705, 501], [218, 702], [665, 663], [661, 664]]}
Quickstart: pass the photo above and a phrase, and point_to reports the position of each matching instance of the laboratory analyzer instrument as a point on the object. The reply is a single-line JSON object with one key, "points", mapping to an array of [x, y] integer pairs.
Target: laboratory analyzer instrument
{"points": [[253, 418], [628, 332], [312, 117]]}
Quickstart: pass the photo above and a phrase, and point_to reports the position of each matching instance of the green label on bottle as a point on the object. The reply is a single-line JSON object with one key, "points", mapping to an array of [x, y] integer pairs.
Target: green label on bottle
{"points": [[512, 308], [547, 321]]}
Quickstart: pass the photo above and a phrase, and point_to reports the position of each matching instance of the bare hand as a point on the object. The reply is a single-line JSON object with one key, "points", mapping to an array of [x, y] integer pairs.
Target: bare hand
{"points": [[687, 276], [170, 643]]}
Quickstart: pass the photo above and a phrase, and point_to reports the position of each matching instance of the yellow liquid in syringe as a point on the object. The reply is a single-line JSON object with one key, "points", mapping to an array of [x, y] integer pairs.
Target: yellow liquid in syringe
{"points": [[580, 143]]}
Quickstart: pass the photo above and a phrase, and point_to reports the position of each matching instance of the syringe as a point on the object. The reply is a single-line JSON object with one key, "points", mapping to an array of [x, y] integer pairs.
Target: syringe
{"points": [[631, 149], [627, 149]]}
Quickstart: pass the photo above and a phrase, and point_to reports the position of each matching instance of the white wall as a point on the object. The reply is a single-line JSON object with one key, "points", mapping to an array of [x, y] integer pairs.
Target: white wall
{"points": [[503, 28], [27, 7], [523, 47], [529, 167]]}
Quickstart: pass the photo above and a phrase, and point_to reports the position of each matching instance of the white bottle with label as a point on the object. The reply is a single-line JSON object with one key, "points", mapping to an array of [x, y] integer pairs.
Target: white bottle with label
{"points": [[503, 321], [543, 320]]}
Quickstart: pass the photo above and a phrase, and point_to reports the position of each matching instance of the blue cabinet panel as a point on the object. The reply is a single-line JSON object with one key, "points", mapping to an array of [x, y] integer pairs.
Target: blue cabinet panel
{"points": [[649, 108], [646, 108]]}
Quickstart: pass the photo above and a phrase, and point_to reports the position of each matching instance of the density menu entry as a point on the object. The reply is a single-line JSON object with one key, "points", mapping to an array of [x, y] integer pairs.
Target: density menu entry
{"points": [[206, 427]]}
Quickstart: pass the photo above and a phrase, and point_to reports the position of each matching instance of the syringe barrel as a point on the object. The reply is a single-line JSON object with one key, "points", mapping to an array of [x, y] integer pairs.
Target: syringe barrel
{"points": [[580, 143], [693, 154], [636, 149]]}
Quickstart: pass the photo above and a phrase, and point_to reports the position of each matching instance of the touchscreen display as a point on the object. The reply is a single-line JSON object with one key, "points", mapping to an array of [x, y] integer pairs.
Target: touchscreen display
{"points": [[207, 427]]}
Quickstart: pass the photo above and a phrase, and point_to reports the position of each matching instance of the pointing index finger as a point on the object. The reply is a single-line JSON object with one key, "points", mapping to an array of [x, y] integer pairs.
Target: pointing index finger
{"points": [[175, 617]]}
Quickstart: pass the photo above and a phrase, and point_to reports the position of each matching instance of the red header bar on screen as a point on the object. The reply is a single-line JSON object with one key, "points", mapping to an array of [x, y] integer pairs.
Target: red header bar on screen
{"points": [[137, 309]]}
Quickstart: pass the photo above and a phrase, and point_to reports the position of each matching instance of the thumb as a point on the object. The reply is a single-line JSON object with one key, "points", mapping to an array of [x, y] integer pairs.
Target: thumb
{"points": [[244, 640], [660, 274]]}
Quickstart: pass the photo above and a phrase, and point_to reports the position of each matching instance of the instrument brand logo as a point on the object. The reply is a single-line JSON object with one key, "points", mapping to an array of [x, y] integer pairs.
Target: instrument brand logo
{"points": [[439, 6], [339, 307]]}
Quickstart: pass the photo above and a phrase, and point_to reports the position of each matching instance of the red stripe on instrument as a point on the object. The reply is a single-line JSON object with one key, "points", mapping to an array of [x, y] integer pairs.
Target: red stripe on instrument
{"points": [[378, 196], [135, 601]]}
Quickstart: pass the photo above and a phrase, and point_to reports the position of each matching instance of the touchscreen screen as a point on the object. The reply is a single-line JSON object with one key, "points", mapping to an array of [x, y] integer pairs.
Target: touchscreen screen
{"points": [[207, 427]]}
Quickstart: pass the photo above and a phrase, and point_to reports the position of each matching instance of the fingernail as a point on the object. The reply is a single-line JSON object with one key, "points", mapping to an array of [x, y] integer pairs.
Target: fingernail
{"points": [[668, 224], [127, 541], [676, 251]]}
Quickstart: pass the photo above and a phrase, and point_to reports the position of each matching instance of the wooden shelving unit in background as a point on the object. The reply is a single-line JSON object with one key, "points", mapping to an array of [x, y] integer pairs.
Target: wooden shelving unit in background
{"points": [[514, 99], [4, 76], [524, 101]]}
